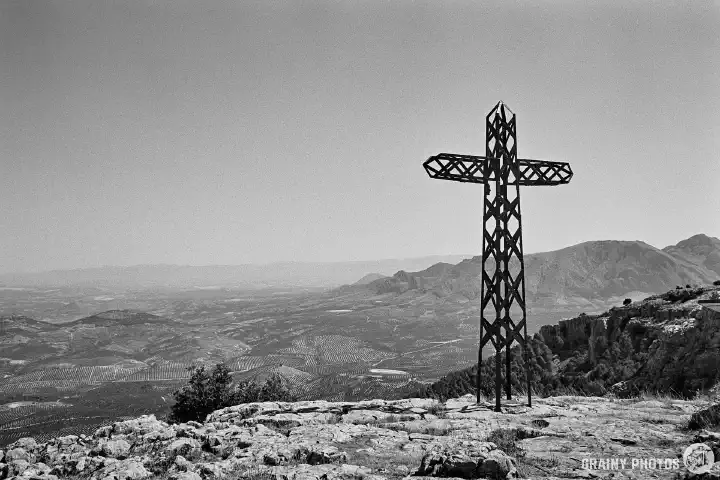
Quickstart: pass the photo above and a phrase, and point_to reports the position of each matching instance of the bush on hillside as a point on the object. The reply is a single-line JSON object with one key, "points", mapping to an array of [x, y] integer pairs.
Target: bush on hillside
{"points": [[272, 391], [205, 392], [716, 283], [706, 418], [682, 295], [208, 391], [613, 362], [627, 301]]}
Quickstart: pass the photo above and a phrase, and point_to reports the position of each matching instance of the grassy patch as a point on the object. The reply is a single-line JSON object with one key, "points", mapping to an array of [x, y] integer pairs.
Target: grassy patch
{"points": [[565, 449], [533, 467], [506, 440], [395, 465], [654, 420], [437, 431], [252, 474], [438, 409], [548, 415], [392, 418], [666, 442], [162, 464], [335, 418]]}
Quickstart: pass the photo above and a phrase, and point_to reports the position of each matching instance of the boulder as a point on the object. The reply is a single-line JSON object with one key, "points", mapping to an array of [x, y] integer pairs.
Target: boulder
{"points": [[104, 431], [182, 464], [498, 465], [209, 470], [159, 435], [115, 449], [320, 472], [17, 467], [462, 463], [186, 430], [89, 464], [130, 469], [185, 476], [289, 420], [36, 470], [183, 447], [320, 454], [67, 440], [19, 454], [26, 443], [139, 426]]}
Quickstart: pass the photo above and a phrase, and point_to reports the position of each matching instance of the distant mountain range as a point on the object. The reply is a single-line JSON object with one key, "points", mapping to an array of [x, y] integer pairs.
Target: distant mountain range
{"points": [[592, 275], [369, 278], [251, 276]]}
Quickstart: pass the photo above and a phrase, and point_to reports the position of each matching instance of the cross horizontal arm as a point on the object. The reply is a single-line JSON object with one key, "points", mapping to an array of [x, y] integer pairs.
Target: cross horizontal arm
{"points": [[542, 172], [460, 168], [475, 169]]}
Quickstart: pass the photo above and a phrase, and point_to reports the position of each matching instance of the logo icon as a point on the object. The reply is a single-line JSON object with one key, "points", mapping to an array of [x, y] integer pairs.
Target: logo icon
{"points": [[698, 458]]}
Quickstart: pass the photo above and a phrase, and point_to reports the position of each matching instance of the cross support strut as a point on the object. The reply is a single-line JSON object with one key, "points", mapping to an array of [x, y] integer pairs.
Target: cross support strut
{"points": [[502, 292]]}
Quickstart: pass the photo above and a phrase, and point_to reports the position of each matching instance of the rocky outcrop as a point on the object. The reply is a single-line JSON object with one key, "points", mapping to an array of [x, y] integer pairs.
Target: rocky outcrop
{"points": [[370, 440], [288, 440], [667, 343]]}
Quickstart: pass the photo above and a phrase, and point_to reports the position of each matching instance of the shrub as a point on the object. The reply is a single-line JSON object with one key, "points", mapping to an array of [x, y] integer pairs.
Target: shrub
{"points": [[506, 440], [208, 391], [688, 286], [204, 393], [627, 301], [540, 423], [716, 283], [272, 391], [437, 409], [707, 418]]}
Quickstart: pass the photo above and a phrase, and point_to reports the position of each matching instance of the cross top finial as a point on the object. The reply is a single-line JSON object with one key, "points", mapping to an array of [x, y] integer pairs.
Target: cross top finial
{"points": [[502, 104], [501, 109]]}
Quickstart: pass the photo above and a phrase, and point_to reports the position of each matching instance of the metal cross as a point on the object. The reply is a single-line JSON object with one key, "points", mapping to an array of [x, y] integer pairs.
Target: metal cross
{"points": [[503, 272]]}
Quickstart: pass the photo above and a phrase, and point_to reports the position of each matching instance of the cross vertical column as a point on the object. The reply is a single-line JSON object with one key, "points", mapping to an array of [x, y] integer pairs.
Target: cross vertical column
{"points": [[502, 250], [521, 280]]}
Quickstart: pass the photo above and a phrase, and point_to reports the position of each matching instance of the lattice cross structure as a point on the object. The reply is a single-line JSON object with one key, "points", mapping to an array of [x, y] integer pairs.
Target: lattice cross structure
{"points": [[502, 292]]}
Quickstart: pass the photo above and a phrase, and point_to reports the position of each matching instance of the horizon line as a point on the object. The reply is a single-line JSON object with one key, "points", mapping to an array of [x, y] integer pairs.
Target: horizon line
{"points": [[280, 262]]}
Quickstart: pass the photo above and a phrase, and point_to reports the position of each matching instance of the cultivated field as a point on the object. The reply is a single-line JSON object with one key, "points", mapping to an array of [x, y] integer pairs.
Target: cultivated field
{"points": [[340, 345]]}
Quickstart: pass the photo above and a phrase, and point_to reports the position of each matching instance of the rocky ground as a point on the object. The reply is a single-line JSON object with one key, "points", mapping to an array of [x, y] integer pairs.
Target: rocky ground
{"points": [[379, 439]]}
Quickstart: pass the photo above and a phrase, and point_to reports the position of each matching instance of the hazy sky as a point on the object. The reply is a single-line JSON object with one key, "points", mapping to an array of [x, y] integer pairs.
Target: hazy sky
{"points": [[213, 132]]}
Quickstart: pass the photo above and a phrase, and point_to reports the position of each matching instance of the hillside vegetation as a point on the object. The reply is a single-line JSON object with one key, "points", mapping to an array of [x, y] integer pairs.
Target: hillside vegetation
{"points": [[667, 343]]}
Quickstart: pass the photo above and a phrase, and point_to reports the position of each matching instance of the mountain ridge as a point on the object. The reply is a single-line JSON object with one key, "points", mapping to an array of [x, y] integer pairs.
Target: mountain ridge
{"points": [[589, 274]]}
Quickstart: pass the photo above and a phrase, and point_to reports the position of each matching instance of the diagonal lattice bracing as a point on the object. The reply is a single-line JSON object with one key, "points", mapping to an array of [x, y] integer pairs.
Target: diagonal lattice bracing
{"points": [[474, 169], [503, 318]]}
